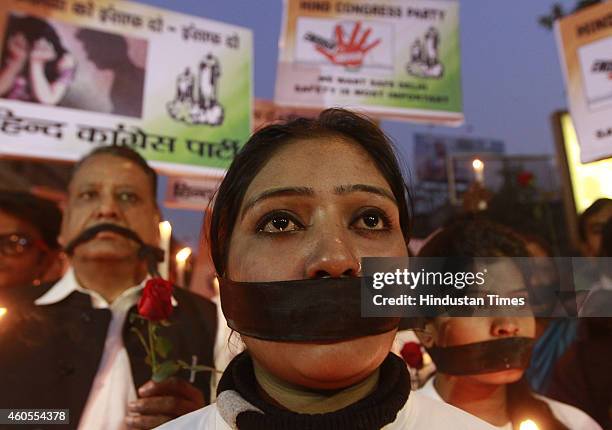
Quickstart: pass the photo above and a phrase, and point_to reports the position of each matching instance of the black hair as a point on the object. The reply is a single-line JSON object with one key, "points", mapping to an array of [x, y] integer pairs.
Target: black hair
{"points": [[474, 238], [42, 214], [265, 142], [595, 207], [126, 153], [34, 29], [105, 49], [482, 238]]}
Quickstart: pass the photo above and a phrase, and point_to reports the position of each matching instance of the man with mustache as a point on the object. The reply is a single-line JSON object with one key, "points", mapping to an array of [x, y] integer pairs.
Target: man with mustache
{"points": [[78, 352]]}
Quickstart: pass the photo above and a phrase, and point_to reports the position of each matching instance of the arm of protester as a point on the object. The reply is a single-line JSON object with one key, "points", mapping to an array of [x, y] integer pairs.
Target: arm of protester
{"points": [[160, 402], [17, 47], [46, 92]]}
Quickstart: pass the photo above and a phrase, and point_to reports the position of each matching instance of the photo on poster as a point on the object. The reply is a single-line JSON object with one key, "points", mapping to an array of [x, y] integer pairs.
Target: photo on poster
{"points": [[596, 66], [348, 44], [54, 63]]}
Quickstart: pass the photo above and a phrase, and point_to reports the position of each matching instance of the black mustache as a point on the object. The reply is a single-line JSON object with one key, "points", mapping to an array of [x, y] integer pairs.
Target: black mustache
{"points": [[145, 251]]}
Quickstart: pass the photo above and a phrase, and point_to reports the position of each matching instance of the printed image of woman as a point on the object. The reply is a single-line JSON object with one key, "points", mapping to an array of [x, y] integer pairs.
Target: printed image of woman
{"points": [[35, 66]]}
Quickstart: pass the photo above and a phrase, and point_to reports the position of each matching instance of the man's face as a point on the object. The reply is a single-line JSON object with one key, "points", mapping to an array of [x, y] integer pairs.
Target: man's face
{"points": [[110, 189], [593, 227]]}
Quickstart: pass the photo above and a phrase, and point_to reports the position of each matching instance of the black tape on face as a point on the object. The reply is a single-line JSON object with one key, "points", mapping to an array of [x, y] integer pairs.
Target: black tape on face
{"points": [[145, 251], [483, 357], [309, 310]]}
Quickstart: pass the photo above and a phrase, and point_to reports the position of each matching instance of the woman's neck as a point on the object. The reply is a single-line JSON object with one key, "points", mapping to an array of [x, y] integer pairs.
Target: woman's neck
{"points": [[486, 401], [302, 400]]}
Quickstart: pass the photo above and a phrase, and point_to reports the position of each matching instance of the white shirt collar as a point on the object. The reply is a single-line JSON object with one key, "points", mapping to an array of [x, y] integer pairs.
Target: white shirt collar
{"points": [[69, 284]]}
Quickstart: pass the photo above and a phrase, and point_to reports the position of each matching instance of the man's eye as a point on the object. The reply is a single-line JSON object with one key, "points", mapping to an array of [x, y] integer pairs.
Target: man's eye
{"points": [[87, 195], [372, 220], [279, 223], [128, 197]]}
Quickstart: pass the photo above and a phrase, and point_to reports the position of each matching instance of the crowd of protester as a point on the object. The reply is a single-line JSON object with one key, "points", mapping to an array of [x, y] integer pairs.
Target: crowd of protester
{"points": [[302, 202]]}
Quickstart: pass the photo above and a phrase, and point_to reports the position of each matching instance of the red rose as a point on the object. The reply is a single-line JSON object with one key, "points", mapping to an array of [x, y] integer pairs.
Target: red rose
{"points": [[411, 352], [524, 179], [155, 303]]}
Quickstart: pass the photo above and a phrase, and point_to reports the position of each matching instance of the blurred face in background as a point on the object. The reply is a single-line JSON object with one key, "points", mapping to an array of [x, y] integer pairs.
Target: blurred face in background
{"points": [[455, 331], [592, 228], [110, 189], [24, 257], [314, 210]]}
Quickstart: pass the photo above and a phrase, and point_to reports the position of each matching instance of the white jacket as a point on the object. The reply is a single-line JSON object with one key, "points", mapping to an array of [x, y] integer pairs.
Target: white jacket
{"points": [[419, 413], [572, 417]]}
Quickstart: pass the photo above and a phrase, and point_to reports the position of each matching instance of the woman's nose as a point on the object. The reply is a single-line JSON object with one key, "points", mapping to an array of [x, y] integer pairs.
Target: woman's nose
{"points": [[333, 254], [503, 327]]}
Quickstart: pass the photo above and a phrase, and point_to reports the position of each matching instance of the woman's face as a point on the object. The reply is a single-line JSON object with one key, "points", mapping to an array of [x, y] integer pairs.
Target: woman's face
{"points": [[314, 210], [17, 270], [453, 331]]}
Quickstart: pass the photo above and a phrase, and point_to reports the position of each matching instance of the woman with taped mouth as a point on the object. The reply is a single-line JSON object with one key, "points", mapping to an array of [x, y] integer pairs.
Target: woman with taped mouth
{"points": [[481, 360], [299, 207]]}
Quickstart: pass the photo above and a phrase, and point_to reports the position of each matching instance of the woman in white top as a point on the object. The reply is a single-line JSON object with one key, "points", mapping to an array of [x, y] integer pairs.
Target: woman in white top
{"points": [[481, 360], [299, 207]]}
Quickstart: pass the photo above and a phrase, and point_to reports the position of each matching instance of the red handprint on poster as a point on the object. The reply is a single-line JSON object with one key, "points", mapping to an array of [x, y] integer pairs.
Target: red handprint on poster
{"points": [[349, 53]]}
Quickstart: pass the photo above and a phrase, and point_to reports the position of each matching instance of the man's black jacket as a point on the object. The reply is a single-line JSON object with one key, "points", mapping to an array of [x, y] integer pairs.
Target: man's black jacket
{"points": [[49, 355]]}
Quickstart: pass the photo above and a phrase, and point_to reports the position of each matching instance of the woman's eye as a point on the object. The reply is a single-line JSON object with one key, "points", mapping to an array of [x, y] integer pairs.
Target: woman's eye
{"points": [[279, 223], [372, 220]]}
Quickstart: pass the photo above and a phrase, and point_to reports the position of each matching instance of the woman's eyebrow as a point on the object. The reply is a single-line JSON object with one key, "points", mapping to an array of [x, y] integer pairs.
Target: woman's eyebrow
{"points": [[353, 188], [276, 192]]}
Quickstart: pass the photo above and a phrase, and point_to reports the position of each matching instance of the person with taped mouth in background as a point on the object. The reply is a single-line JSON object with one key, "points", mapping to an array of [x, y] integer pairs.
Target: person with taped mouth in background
{"points": [[299, 207], [481, 360], [73, 348]]}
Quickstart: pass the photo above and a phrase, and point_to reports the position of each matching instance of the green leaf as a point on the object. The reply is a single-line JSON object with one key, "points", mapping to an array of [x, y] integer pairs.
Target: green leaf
{"points": [[165, 370], [162, 346]]}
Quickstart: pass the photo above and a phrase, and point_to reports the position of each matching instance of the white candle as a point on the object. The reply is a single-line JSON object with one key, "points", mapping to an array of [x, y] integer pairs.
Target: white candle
{"points": [[478, 167], [165, 234], [181, 262]]}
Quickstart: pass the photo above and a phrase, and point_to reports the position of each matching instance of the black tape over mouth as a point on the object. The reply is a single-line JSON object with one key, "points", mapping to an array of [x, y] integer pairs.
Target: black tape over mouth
{"points": [[483, 357], [151, 254], [308, 310]]}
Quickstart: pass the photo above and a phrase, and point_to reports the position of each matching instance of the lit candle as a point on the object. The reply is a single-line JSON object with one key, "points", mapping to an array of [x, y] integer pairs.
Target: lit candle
{"points": [[3, 312], [478, 167], [528, 425], [165, 234], [215, 286], [181, 262]]}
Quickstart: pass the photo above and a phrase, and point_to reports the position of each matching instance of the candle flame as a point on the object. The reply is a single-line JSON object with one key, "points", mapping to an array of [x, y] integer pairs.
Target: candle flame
{"points": [[183, 255], [3, 312], [528, 425], [477, 164], [165, 229]]}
